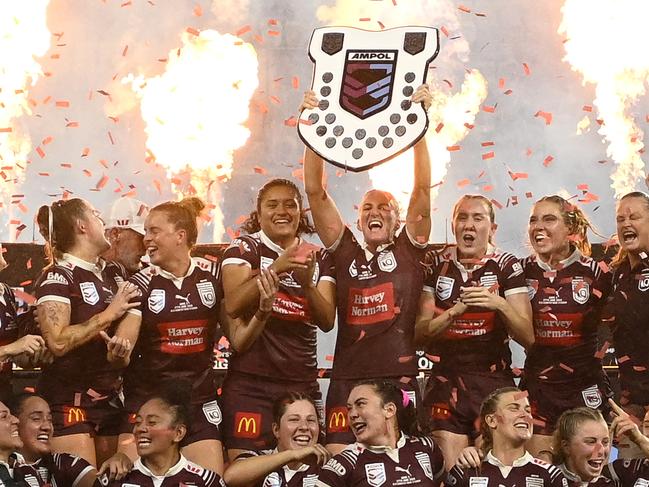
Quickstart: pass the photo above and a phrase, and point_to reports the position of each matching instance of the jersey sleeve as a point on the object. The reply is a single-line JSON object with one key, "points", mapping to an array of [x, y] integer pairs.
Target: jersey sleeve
{"points": [[55, 285], [457, 477], [242, 251], [141, 280], [513, 278], [628, 472], [70, 469], [436, 458], [337, 472], [326, 266]]}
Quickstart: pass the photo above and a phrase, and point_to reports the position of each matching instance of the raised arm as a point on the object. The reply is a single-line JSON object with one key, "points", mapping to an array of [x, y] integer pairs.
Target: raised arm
{"points": [[418, 222], [326, 217], [61, 336]]}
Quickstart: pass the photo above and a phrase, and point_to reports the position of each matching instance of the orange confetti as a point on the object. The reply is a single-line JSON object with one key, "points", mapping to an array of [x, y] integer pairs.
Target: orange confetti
{"points": [[102, 182], [85, 152], [463, 182], [489, 109], [243, 30], [40, 152], [259, 170], [545, 115], [548, 160], [453, 148], [125, 50], [295, 81], [488, 155], [527, 69], [464, 9], [198, 10]]}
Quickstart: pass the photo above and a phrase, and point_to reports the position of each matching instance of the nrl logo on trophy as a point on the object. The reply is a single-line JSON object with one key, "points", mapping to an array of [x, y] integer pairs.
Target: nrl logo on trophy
{"points": [[364, 80]]}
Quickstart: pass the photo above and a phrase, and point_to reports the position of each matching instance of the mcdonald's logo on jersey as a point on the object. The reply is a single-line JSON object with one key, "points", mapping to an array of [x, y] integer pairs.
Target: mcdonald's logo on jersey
{"points": [[337, 422], [247, 425], [73, 415]]}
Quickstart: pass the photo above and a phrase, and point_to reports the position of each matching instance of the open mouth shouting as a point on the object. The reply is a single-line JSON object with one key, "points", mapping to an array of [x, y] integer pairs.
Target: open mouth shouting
{"points": [[629, 237], [375, 224], [358, 427]]}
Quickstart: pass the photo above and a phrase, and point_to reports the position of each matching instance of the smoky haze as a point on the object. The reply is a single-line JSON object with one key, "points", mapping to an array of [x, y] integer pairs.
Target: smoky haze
{"points": [[96, 43]]}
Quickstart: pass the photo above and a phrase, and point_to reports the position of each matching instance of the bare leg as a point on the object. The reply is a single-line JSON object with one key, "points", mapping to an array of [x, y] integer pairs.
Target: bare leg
{"points": [[105, 447], [81, 445], [206, 453], [126, 445], [451, 444], [540, 446]]}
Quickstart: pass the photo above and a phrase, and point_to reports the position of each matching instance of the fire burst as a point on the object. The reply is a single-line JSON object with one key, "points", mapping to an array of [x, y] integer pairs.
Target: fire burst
{"points": [[604, 43], [194, 112], [23, 36], [449, 119]]}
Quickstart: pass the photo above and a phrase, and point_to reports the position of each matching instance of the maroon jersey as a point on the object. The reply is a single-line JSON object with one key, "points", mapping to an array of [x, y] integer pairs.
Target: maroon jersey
{"points": [[88, 289], [575, 481], [179, 321], [184, 473], [566, 304], [304, 476], [628, 314], [415, 461], [527, 471], [54, 469], [8, 332], [478, 338], [377, 298], [631, 473], [286, 348]]}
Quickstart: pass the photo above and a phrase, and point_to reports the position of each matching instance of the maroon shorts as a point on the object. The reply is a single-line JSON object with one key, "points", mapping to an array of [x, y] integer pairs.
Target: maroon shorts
{"points": [[453, 399], [338, 430], [204, 424], [76, 412], [550, 399], [248, 408]]}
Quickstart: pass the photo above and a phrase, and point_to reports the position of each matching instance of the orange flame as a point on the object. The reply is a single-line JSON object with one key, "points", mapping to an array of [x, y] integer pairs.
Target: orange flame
{"points": [[23, 36], [195, 112], [604, 43]]}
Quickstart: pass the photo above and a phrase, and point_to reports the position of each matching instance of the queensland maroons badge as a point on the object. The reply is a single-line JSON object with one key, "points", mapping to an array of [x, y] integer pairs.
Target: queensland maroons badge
{"points": [[364, 81]]}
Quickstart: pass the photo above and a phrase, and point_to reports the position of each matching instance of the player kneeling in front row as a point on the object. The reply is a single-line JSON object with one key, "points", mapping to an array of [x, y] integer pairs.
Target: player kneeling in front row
{"points": [[160, 428], [383, 420]]}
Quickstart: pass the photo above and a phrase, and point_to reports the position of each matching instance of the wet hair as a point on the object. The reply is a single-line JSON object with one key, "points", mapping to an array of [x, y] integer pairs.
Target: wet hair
{"points": [[56, 223], [486, 201], [176, 397], [182, 215], [407, 420], [281, 404], [621, 255], [16, 403], [252, 223], [575, 219], [567, 426], [489, 406]]}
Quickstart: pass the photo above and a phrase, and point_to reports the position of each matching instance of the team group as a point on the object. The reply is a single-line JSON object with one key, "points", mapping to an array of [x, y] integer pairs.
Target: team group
{"points": [[128, 392]]}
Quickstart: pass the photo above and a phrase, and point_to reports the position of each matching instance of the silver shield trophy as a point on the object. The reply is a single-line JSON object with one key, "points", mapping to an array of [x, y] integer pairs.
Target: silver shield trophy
{"points": [[364, 80]]}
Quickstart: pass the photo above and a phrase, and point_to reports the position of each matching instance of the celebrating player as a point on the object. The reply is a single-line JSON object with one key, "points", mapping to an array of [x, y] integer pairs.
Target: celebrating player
{"points": [[374, 280], [125, 232], [567, 289], [627, 311], [383, 420], [28, 346], [280, 292], [78, 297], [298, 456], [9, 443], [474, 297], [506, 427], [161, 425], [36, 457], [174, 328]]}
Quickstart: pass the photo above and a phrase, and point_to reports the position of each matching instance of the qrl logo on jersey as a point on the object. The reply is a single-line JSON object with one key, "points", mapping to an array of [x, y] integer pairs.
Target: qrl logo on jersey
{"points": [[643, 283], [156, 300], [592, 397], [375, 474], [212, 412], [580, 291], [206, 293], [387, 261], [89, 293], [444, 287]]}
